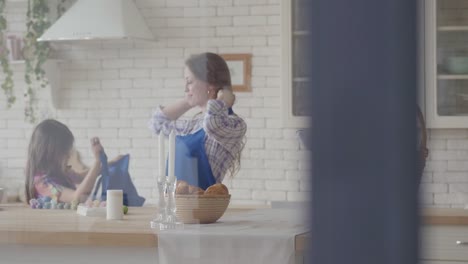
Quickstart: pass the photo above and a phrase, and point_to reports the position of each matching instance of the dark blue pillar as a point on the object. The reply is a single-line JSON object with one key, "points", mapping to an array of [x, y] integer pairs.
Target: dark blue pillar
{"points": [[363, 99]]}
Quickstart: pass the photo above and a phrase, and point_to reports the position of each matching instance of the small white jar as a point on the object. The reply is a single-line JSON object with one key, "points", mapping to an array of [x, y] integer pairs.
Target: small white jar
{"points": [[114, 205]]}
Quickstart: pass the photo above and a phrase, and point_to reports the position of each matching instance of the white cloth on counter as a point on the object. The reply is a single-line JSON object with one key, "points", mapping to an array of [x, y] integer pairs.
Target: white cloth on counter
{"points": [[257, 236]]}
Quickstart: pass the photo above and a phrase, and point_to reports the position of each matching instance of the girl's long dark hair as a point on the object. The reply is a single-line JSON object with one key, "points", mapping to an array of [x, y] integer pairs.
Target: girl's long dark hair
{"points": [[50, 144]]}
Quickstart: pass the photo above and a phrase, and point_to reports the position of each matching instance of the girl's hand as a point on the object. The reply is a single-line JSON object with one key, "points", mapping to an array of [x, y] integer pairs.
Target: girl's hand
{"points": [[227, 96], [96, 147]]}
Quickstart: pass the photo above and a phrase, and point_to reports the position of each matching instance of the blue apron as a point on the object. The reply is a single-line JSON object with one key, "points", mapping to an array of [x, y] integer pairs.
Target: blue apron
{"points": [[191, 161]]}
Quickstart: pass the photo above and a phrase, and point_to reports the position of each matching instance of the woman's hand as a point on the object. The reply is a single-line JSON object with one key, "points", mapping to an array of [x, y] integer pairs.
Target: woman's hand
{"points": [[96, 147], [227, 96]]}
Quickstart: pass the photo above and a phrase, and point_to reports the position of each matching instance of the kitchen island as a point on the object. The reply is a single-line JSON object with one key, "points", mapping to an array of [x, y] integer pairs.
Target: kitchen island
{"points": [[444, 236], [52, 236], [445, 216]]}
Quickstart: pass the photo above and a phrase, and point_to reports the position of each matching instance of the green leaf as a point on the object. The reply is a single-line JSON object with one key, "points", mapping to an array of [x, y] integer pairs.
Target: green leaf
{"points": [[3, 23], [35, 54]]}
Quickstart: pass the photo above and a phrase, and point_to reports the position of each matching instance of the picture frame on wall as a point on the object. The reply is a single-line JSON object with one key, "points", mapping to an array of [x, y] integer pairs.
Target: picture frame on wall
{"points": [[240, 67]]}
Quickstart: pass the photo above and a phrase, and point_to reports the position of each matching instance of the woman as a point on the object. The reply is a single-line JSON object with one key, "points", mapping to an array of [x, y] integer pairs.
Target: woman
{"points": [[210, 144]]}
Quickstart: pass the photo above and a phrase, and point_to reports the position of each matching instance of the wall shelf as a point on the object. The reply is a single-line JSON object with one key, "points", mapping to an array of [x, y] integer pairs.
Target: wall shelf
{"points": [[301, 33], [52, 69], [452, 28], [452, 76], [301, 79], [17, 62], [16, 3]]}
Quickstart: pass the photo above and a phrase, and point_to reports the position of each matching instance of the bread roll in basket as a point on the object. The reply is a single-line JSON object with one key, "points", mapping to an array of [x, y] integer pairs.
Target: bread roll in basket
{"points": [[195, 206]]}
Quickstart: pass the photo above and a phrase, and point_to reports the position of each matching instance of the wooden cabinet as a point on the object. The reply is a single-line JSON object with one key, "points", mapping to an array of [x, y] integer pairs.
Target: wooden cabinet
{"points": [[444, 244], [446, 63], [442, 262]]}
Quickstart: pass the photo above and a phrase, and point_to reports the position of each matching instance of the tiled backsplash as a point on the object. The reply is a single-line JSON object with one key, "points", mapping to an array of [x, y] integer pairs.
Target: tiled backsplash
{"points": [[110, 88]]}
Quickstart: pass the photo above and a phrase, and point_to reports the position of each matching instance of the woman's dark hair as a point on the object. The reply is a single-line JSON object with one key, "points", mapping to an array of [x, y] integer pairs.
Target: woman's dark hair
{"points": [[210, 68], [422, 150], [50, 144]]}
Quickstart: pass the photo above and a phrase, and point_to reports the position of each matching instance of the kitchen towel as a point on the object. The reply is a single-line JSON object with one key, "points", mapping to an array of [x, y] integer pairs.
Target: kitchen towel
{"points": [[257, 236]]}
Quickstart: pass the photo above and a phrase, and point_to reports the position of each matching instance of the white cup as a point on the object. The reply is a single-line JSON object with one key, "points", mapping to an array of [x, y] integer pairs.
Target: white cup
{"points": [[114, 205]]}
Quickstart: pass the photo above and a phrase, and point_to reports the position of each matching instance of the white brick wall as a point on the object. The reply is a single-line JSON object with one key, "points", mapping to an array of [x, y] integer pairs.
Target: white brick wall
{"points": [[109, 89], [445, 179]]}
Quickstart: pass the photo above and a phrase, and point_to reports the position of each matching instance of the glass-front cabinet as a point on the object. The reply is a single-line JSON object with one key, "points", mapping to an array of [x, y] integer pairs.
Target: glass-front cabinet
{"points": [[446, 63], [295, 70]]}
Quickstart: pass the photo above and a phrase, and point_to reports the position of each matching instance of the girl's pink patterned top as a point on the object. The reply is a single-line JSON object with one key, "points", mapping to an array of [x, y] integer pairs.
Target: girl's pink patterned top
{"points": [[47, 186]]}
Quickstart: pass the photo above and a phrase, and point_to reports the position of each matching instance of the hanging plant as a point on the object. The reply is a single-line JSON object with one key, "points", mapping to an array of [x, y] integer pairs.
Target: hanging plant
{"points": [[35, 53], [7, 85], [61, 8]]}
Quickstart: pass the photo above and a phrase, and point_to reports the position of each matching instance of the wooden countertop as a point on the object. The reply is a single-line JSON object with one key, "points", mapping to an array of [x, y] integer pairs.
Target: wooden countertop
{"points": [[21, 225], [444, 216]]}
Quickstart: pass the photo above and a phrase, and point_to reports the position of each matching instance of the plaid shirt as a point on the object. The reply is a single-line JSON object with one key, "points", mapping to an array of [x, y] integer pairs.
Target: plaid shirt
{"points": [[224, 133]]}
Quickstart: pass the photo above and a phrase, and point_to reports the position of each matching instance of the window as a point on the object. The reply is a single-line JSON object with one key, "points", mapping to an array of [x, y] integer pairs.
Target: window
{"points": [[296, 82]]}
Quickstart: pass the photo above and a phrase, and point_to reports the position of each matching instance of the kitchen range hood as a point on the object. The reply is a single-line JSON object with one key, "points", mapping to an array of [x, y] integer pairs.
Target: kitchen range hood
{"points": [[99, 20]]}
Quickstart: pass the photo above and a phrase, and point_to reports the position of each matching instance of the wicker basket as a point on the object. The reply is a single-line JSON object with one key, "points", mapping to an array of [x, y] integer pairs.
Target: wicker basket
{"points": [[201, 209]]}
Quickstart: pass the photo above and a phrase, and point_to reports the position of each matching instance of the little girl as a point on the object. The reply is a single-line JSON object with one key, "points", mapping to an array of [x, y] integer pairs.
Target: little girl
{"points": [[47, 173]]}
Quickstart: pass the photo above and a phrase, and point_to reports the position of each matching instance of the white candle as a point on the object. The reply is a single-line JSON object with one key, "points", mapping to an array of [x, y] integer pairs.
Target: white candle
{"points": [[162, 158], [171, 168]]}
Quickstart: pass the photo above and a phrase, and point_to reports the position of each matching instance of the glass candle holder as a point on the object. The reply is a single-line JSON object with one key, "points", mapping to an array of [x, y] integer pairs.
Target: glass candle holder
{"points": [[172, 222], [160, 218]]}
